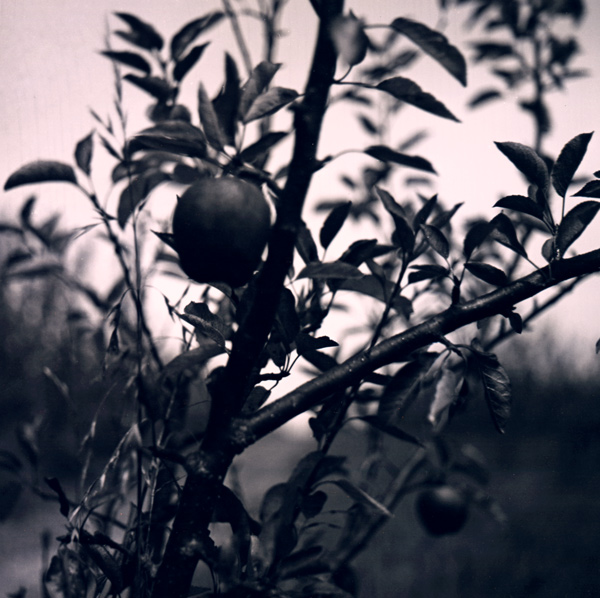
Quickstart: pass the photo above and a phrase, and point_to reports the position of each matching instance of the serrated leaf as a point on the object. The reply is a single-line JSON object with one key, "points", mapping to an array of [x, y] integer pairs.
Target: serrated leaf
{"points": [[41, 171], [487, 273], [527, 161], [269, 102], [573, 224], [436, 45], [476, 235], [183, 66], [189, 32], [390, 429], [436, 240], [333, 223], [129, 59], [360, 496], [155, 86], [590, 189], [424, 212], [205, 322], [259, 149], [210, 120], [496, 386], [386, 154], [568, 162], [408, 91], [447, 388], [83, 153], [330, 270], [258, 81], [520, 203], [403, 236], [142, 34]]}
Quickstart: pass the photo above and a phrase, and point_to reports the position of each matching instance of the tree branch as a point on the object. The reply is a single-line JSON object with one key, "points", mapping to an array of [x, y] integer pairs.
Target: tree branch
{"points": [[399, 347]]}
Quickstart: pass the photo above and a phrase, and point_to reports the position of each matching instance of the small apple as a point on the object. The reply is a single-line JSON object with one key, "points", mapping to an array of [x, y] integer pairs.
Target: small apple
{"points": [[442, 510], [220, 229]]}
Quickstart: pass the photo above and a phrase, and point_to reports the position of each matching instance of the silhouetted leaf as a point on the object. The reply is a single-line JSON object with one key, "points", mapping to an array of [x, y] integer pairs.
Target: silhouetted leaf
{"points": [[155, 86], [436, 239], [573, 224], [56, 487], [364, 249], [496, 386], [210, 120], [527, 161], [349, 39], [491, 51], [447, 388], [568, 162], [142, 34], [333, 223], [226, 104], [408, 91], [258, 150], [372, 286], [10, 492], [424, 213], [503, 231], [426, 272], [520, 203], [435, 44], [403, 237], [484, 97], [188, 61], [189, 32], [42, 171], [269, 102], [258, 81], [306, 246], [130, 59], [386, 154], [176, 136], [330, 270], [476, 235], [590, 189], [487, 273], [138, 190], [360, 496], [307, 344], [83, 153]]}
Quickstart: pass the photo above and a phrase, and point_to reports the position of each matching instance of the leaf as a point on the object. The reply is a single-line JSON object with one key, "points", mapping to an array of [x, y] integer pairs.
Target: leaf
{"points": [[205, 322], [130, 59], [83, 153], [496, 386], [392, 430], [188, 61], [210, 120], [590, 189], [189, 32], [269, 102], [520, 203], [436, 239], [142, 34], [10, 493], [568, 162], [527, 161], [305, 245], [137, 190], [408, 91], [258, 81], [155, 86], [436, 45], [56, 487], [349, 39], [386, 154], [363, 250], [484, 97], [573, 224], [330, 270], [503, 231], [306, 344], [226, 104], [373, 286], [423, 214], [177, 137], [491, 51], [41, 171], [333, 223], [403, 237], [476, 235], [359, 496], [487, 273], [447, 388], [426, 272], [259, 149]]}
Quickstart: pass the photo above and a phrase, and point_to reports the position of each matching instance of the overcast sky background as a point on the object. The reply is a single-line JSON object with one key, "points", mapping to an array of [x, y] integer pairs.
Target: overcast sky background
{"points": [[52, 74]]}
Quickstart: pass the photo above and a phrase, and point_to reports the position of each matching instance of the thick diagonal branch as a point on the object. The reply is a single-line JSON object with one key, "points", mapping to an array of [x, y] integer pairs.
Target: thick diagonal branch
{"points": [[400, 346]]}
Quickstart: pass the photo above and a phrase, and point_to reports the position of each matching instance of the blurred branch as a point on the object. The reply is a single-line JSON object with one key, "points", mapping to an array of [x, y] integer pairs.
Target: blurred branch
{"points": [[400, 346]]}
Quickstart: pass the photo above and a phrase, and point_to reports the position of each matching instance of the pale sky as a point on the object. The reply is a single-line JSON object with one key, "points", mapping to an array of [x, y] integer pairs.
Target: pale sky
{"points": [[52, 73]]}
